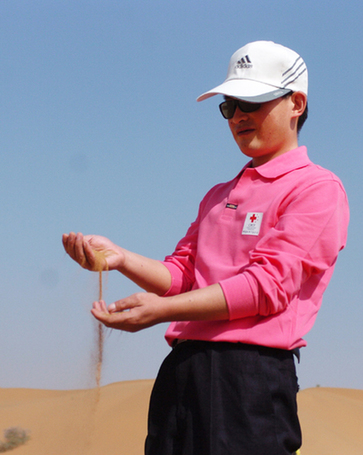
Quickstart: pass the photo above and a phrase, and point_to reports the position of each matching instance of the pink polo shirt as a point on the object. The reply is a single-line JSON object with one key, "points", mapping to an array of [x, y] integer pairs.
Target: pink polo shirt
{"points": [[270, 238]]}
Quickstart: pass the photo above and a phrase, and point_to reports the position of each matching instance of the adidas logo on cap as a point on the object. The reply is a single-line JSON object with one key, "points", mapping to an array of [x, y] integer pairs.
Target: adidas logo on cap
{"points": [[244, 62]]}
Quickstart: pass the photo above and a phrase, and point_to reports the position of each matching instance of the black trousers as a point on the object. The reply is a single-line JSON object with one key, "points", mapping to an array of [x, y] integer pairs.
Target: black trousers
{"points": [[224, 399]]}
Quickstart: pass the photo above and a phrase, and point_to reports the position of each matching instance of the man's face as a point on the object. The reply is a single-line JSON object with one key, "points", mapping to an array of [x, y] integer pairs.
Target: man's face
{"points": [[266, 133]]}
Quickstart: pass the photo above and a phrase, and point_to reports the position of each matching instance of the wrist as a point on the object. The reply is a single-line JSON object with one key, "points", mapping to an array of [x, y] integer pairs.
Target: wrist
{"points": [[116, 259]]}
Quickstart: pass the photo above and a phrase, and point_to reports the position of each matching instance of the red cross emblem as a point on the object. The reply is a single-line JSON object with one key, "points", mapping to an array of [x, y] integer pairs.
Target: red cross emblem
{"points": [[253, 218]]}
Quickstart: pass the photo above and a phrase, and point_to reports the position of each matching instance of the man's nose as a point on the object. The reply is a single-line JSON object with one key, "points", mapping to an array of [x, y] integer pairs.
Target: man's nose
{"points": [[239, 116]]}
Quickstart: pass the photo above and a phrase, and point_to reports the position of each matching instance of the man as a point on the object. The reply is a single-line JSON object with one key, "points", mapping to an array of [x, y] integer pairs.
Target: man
{"points": [[244, 285]]}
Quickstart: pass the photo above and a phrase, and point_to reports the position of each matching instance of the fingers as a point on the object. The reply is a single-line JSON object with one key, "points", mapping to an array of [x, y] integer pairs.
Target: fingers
{"points": [[128, 314], [125, 304], [100, 306], [79, 250], [100, 312]]}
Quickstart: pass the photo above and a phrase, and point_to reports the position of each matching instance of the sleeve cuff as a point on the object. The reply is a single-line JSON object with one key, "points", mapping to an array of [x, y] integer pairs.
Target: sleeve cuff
{"points": [[241, 293], [176, 286]]}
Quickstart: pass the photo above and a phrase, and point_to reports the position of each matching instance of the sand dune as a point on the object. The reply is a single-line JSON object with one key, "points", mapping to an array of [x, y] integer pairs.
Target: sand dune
{"points": [[332, 421], [112, 421], [80, 421]]}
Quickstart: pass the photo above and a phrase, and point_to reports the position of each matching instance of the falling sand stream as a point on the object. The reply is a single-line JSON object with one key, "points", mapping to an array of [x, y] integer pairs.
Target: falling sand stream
{"points": [[100, 334], [93, 395], [100, 337]]}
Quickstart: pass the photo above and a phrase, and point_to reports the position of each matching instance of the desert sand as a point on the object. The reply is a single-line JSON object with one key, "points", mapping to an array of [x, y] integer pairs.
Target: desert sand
{"points": [[112, 420]]}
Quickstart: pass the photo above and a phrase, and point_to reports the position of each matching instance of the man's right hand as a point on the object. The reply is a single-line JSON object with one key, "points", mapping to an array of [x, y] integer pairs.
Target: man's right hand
{"points": [[93, 252]]}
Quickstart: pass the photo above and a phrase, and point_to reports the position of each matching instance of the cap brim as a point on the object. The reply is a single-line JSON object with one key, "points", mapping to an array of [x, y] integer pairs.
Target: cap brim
{"points": [[246, 90]]}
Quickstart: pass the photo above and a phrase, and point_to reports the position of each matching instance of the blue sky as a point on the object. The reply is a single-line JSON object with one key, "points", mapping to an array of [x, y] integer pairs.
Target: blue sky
{"points": [[100, 132]]}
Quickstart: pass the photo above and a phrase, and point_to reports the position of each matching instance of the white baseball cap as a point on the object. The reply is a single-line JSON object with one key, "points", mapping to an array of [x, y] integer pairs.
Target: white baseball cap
{"points": [[262, 71]]}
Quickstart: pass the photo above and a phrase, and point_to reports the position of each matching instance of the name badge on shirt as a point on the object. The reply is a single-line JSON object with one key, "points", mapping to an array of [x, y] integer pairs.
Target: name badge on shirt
{"points": [[252, 223]]}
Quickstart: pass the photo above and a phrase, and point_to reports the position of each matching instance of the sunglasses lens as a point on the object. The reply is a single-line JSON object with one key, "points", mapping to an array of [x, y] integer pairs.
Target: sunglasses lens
{"points": [[248, 107], [228, 107]]}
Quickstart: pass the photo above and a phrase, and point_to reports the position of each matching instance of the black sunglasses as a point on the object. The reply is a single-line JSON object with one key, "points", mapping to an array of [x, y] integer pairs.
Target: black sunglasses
{"points": [[228, 107]]}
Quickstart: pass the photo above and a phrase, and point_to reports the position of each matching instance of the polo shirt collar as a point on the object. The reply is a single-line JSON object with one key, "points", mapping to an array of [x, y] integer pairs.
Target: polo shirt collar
{"points": [[283, 164]]}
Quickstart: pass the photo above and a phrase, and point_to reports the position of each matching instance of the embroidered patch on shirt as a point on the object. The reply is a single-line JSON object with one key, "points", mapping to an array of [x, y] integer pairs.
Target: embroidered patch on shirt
{"points": [[252, 223]]}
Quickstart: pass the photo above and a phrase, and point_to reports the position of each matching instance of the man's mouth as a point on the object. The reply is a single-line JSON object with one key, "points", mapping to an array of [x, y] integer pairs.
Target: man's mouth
{"points": [[244, 131]]}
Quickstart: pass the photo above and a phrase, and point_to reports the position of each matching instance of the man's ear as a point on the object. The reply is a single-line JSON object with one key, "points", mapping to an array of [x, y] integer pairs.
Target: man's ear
{"points": [[299, 100]]}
